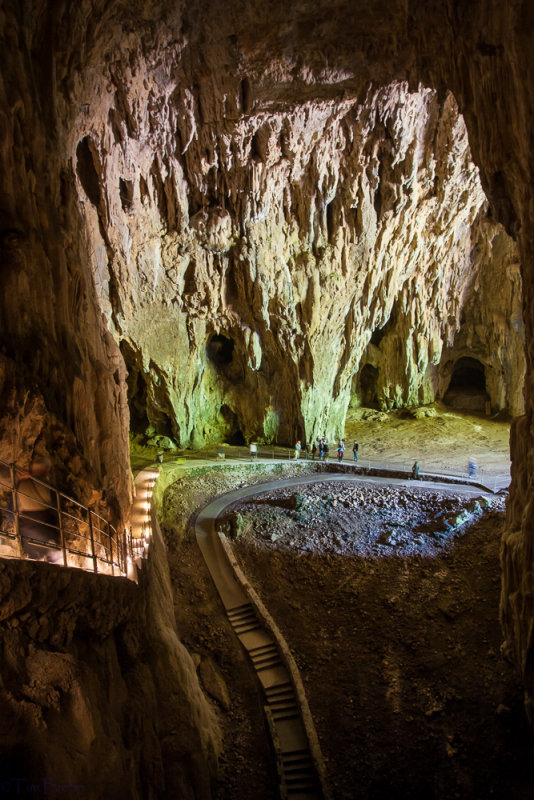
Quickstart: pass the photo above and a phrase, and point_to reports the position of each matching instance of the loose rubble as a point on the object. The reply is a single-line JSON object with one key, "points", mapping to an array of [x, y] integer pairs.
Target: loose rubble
{"points": [[356, 519]]}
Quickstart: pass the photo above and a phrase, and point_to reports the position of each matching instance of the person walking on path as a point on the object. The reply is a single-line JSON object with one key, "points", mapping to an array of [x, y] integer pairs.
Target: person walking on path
{"points": [[472, 468], [355, 448], [415, 470], [340, 450], [321, 448], [325, 450], [253, 451], [314, 451], [298, 448]]}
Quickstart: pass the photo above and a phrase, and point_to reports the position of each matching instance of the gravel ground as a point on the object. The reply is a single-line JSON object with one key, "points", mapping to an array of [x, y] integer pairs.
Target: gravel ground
{"points": [[359, 518]]}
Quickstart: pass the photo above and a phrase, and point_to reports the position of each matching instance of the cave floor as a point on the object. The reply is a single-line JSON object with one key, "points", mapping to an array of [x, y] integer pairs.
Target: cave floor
{"points": [[440, 438], [397, 639], [399, 647]]}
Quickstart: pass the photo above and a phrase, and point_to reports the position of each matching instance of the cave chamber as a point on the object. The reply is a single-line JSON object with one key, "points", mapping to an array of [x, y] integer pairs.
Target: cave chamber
{"points": [[288, 177]]}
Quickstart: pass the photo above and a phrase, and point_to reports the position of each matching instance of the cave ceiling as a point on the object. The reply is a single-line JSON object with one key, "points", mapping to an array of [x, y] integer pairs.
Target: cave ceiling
{"points": [[273, 180], [297, 180]]}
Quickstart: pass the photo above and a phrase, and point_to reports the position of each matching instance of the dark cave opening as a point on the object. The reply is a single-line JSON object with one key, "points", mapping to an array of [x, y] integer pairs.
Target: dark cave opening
{"points": [[220, 350], [86, 160], [136, 390], [126, 193], [367, 380], [234, 435], [467, 386]]}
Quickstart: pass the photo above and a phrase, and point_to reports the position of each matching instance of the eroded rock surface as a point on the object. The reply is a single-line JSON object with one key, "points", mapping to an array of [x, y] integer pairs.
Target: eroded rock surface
{"points": [[326, 226], [96, 690]]}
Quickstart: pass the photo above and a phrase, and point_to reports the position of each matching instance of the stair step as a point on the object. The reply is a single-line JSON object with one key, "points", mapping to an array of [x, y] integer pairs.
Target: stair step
{"points": [[261, 647], [284, 716], [247, 628], [267, 659], [296, 757], [279, 689], [304, 771]]}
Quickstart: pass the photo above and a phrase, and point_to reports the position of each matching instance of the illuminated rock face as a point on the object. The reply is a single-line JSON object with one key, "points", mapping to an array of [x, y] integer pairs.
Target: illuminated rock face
{"points": [[293, 234], [248, 202]]}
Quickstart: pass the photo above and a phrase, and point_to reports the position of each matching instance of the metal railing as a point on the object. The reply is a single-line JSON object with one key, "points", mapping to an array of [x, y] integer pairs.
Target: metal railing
{"points": [[62, 531]]}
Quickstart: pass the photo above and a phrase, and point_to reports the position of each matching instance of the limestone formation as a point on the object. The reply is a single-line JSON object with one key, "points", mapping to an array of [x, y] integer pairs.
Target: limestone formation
{"points": [[328, 224], [237, 215]]}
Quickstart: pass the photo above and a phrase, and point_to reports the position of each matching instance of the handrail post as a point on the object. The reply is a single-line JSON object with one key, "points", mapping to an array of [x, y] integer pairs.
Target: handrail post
{"points": [[124, 544], [16, 510], [61, 532], [91, 532], [110, 548]]}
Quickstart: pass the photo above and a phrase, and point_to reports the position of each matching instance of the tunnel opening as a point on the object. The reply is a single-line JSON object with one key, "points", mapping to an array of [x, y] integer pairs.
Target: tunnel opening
{"points": [[467, 386], [367, 386], [220, 350], [234, 435], [136, 390]]}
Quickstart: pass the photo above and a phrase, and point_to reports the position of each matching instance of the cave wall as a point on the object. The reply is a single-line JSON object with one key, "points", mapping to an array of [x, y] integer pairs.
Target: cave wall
{"points": [[415, 352], [294, 228], [53, 336], [96, 691]]}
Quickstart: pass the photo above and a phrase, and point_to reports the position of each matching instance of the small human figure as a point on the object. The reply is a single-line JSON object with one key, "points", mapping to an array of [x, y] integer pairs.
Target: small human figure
{"points": [[253, 450], [314, 451], [307, 450], [321, 448], [325, 450], [355, 448], [38, 522], [415, 470], [472, 468], [340, 450], [298, 448]]}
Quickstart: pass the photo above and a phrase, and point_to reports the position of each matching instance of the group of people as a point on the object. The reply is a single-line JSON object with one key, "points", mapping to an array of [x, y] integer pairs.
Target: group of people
{"points": [[320, 448]]}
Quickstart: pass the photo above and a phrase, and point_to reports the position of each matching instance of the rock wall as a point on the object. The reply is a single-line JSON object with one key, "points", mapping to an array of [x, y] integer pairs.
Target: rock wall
{"points": [[52, 331], [411, 359], [96, 691], [245, 257]]}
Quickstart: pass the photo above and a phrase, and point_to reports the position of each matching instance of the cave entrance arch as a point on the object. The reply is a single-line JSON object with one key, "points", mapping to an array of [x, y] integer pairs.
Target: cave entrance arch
{"points": [[234, 435], [367, 384], [467, 386]]}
